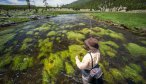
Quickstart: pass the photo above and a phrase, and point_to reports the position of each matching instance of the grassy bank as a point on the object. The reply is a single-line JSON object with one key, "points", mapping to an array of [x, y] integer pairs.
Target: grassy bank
{"points": [[131, 20]]}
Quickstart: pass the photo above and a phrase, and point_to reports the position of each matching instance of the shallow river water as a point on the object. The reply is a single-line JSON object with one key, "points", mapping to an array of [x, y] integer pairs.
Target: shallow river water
{"points": [[43, 51]]}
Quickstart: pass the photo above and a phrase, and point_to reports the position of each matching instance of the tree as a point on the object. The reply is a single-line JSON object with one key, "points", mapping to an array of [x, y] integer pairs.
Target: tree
{"points": [[28, 3], [46, 3]]}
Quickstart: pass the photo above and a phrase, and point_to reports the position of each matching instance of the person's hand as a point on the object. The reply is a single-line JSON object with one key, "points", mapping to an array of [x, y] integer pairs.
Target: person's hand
{"points": [[76, 57]]}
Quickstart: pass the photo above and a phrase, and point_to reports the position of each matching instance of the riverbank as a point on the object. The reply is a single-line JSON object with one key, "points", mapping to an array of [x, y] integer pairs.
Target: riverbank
{"points": [[14, 17], [134, 22]]}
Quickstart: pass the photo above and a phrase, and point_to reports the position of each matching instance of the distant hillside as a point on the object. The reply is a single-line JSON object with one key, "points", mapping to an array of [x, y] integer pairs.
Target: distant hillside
{"points": [[15, 6], [95, 4]]}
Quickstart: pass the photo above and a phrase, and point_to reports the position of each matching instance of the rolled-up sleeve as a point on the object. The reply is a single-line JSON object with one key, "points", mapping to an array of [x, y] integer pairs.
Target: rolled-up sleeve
{"points": [[84, 64]]}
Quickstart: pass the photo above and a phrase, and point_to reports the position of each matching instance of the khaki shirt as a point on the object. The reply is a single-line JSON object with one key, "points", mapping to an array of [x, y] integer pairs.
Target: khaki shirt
{"points": [[87, 61]]}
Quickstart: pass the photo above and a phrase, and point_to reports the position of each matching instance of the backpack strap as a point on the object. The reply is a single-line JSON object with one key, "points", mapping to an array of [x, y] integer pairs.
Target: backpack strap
{"points": [[91, 59]]}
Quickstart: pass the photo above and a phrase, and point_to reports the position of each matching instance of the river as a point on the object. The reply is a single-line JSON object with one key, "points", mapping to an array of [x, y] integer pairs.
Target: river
{"points": [[43, 51]]}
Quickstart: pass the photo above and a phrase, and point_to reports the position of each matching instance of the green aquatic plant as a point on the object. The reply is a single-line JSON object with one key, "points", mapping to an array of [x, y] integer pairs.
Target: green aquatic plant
{"points": [[144, 42], [107, 75], [64, 54], [99, 31], [117, 74], [116, 35], [5, 38], [5, 60], [86, 30], [130, 72], [69, 68], [144, 63], [36, 33], [75, 36], [45, 77], [29, 33], [47, 25], [106, 32], [76, 50], [82, 24], [111, 43], [27, 40], [25, 43], [136, 67], [53, 65], [45, 47], [111, 54], [52, 33], [135, 49], [43, 28], [106, 49], [21, 62]]}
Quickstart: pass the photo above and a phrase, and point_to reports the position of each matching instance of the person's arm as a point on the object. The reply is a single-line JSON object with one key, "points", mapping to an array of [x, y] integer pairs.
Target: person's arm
{"points": [[84, 64]]}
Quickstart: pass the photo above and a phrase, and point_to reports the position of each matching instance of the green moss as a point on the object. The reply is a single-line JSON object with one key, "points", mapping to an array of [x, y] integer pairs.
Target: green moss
{"points": [[144, 63], [29, 33], [21, 62], [106, 49], [135, 49], [116, 74], [26, 44], [4, 39], [111, 54], [76, 50], [52, 33], [111, 43], [27, 40], [85, 30], [75, 36], [103, 32], [99, 31], [43, 28], [53, 65], [108, 78], [116, 35], [82, 24], [129, 72], [45, 47], [144, 42], [5, 60], [36, 33], [69, 69], [64, 54], [137, 68], [45, 77]]}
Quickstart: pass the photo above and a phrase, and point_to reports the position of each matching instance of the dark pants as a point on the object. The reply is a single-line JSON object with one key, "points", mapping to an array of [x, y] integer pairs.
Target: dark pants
{"points": [[85, 77], [94, 81]]}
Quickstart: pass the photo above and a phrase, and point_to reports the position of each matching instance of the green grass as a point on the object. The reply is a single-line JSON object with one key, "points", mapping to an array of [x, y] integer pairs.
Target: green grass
{"points": [[129, 19], [19, 19], [14, 19]]}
